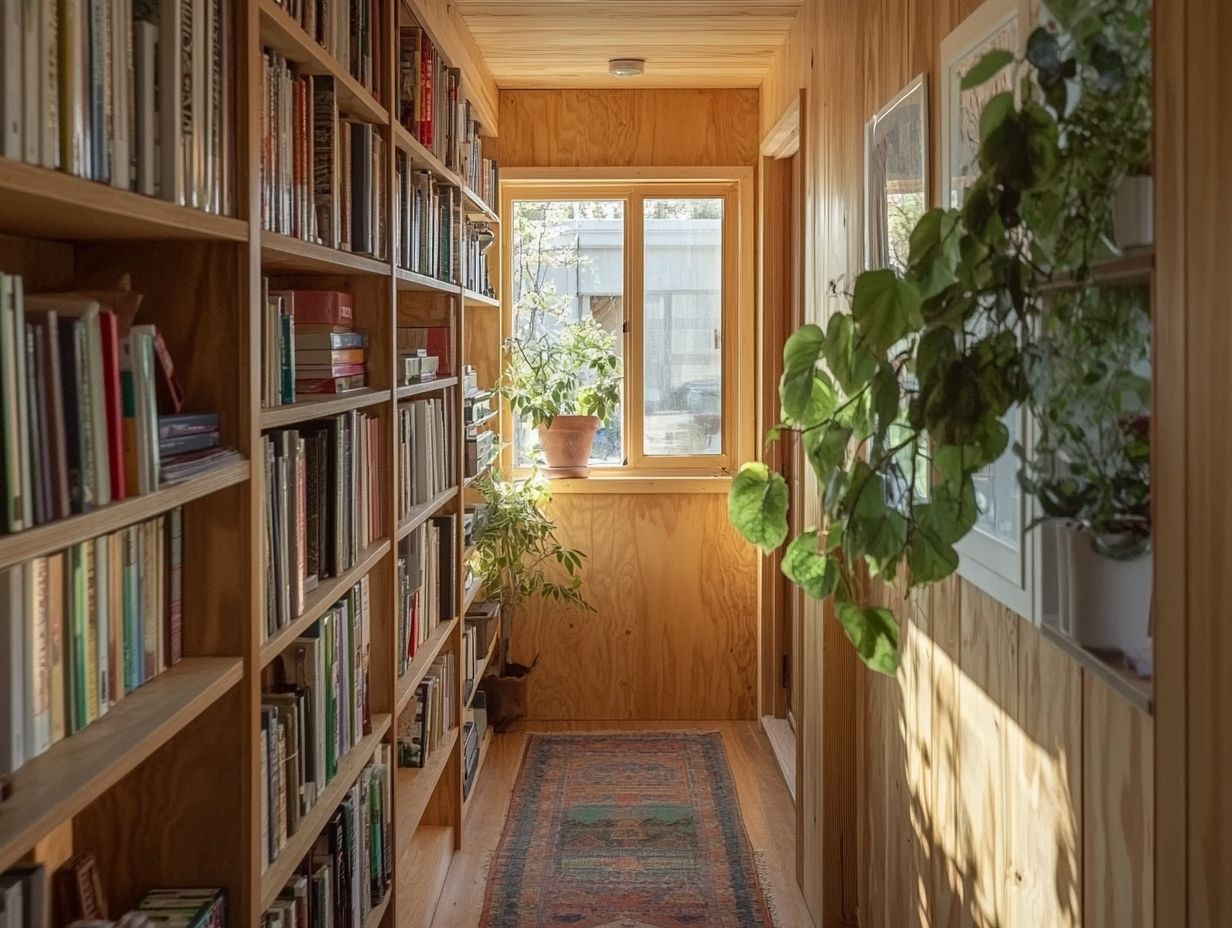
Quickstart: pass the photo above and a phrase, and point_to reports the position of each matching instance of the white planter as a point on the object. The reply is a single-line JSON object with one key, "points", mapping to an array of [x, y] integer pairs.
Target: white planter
{"points": [[1105, 604], [1133, 213]]}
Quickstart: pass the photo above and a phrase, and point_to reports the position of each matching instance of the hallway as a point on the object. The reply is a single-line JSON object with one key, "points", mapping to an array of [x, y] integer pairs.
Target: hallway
{"points": [[769, 816]]}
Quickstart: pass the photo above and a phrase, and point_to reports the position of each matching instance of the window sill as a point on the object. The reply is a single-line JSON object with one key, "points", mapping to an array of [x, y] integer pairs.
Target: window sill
{"points": [[599, 483]]}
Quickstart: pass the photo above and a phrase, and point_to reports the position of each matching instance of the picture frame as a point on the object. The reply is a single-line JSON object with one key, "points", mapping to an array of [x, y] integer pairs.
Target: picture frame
{"points": [[896, 166], [1000, 555]]}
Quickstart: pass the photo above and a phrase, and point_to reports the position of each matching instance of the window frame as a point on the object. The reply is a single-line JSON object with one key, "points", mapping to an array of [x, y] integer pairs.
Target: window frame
{"points": [[634, 187]]}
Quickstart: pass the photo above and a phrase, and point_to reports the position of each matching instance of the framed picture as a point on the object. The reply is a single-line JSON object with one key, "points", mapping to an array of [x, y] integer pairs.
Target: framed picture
{"points": [[895, 176], [999, 555]]}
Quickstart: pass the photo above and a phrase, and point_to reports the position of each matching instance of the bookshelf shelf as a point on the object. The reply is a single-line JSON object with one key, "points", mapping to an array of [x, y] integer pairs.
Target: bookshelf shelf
{"points": [[319, 600], [482, 667], [275, 878], [284, 35], [469, 801], [1134, 268], [409, 280], [483, 470], [44, 203], [321, 407], [428, 386], [480, 423], [472, 591], [422, 513], [1110, 669], [417, 784], [476, 208], [377, 915], [55, 536], [422, 158], [478, 299], [419, 666], [58, 784], [281, 254]]}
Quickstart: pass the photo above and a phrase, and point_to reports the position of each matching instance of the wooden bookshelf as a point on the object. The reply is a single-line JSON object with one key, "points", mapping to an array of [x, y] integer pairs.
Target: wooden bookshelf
{"points": [[198, 725], [428, 386], [482, 667], [318, 602], [309, 408], [55, 536], [422, 661], [300, 843], [57, 785], [483, 756]]}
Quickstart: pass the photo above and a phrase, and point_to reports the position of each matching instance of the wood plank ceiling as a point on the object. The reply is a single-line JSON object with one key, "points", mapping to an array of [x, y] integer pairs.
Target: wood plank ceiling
{"points": [[686, 43]]}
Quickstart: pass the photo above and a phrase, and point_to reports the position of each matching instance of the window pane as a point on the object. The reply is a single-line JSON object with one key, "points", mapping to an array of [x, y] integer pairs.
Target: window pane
{"points": [[568, 267], [683, 327]]}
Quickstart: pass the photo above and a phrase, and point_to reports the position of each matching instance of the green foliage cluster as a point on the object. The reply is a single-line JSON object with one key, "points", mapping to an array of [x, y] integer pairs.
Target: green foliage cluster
{"points": [[573, 371], [927, 363], [516, 551]]}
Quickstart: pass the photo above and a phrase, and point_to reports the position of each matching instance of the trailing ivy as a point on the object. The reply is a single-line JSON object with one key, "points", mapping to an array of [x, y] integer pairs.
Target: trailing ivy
{"points": [[922, 370]]}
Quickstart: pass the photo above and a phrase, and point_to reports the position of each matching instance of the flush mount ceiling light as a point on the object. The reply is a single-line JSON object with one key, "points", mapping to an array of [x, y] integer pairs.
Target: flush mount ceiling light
{"points": [[626, 67]]}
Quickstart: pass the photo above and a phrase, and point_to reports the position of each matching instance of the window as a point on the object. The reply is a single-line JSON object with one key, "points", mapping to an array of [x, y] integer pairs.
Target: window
{"points": [[653, 266]]}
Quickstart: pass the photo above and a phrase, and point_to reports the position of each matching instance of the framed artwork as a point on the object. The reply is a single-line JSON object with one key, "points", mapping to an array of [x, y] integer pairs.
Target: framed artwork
{"points": [[895, 176], [999, 555]]}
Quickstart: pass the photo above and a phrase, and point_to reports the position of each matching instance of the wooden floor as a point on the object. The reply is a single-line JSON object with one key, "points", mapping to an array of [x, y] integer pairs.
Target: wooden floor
{"points": [[769, 815]]}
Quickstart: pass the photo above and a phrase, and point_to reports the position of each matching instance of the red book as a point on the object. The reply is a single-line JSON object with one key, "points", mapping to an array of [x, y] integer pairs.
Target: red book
{"points": [[425, 91], [313, 371], [110, 331], [319, 307], [322, 385]]}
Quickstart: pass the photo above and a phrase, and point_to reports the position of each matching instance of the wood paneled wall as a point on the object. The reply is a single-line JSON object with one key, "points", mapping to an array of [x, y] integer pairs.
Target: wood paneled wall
{"points": [[675, 634], [997, 784], [628, 128]]}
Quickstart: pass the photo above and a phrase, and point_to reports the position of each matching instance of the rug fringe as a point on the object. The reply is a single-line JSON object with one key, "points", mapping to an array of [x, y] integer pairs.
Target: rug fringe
{"points": [[761, 863]]}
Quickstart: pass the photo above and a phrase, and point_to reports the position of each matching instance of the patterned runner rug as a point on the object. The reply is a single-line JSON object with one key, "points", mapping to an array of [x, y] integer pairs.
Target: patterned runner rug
{"points": [[625, 831]]}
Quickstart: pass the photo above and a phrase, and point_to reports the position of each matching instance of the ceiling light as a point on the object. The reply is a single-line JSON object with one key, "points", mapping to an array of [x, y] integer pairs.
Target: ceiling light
{"points": [[626, 67]]}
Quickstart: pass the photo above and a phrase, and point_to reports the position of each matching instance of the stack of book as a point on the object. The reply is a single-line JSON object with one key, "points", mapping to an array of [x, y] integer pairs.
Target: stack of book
{"points": [[425, 586], [82, 628], [481, 174], [80, 396], [425, 455], [426, 223], [429, 96], [476, 261], [321, 507], [135, 95], [431, 715], [350, 30], [189, 445], [314, 710], [309, 345], [350, 868], [434, 340], [320, 173]]}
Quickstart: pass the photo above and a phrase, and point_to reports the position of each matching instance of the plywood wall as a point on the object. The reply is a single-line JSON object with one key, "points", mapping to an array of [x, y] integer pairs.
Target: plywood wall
{"points": [[675, 632], [996, 784]]}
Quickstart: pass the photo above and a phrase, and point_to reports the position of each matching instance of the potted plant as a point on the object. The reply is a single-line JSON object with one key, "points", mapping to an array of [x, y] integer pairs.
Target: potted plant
{"points": [[566, 383], [516, 554], [1090, 468]]}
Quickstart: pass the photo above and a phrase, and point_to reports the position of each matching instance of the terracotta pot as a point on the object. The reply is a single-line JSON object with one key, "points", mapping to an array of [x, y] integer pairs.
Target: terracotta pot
{"points": [[567, 443], [506, 696]]}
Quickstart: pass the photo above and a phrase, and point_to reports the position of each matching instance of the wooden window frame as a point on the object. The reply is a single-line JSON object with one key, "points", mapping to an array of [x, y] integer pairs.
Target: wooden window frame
{"points": [[634, 187]]}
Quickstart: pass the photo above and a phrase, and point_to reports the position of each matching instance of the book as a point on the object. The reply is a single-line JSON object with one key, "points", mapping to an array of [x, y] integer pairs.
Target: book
{"points": [[319, 307], [330, 385]]}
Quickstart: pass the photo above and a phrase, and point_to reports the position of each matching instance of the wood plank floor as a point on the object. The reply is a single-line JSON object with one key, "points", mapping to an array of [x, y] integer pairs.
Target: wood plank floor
{"points": [[769, 815]]}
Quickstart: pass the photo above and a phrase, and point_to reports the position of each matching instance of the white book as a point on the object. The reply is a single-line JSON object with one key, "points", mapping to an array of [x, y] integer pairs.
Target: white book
{"points": [[49, 89], [12, 685], [145, 111], [11, 109], [38, 658], [31, 81], [102, 608], [175, 93]]}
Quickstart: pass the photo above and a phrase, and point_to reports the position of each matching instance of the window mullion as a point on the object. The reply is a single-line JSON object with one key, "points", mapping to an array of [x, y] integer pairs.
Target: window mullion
{"points": [[635, 271]]}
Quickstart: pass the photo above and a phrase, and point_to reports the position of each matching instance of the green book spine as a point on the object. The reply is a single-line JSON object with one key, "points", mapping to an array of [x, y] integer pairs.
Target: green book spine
{"points": [[331, 698], [286, 357]]}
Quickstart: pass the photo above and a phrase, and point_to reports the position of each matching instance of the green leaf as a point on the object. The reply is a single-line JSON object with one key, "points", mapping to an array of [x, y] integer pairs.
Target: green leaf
{"points": [[757, 505], [996, 112], [886, 395], [799, 391], [810, 402], [827, 449], [929, 558], [885, 308], [806, 567], [987, 68], [874, 633]]}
